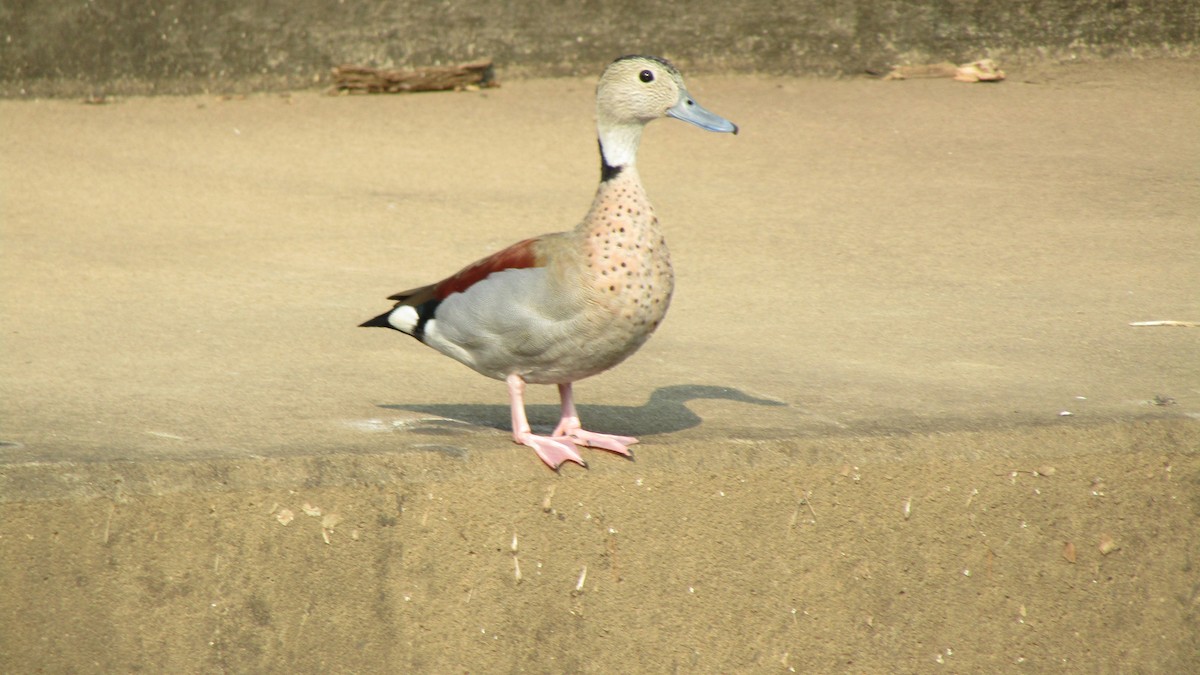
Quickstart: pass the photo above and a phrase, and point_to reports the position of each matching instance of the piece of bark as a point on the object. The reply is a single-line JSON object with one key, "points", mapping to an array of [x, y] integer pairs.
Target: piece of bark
{"points": [[364, 80]]}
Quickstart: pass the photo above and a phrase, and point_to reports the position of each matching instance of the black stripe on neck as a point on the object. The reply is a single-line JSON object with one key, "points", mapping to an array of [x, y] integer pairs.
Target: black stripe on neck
{"points": [[607, 172]]}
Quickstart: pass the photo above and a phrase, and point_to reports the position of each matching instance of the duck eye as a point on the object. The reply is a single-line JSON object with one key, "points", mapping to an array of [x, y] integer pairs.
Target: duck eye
{"points": [[646, 76]]}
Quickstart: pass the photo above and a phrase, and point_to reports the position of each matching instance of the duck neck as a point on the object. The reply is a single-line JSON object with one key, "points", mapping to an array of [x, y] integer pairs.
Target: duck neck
{"points": [[620, 207], [618, 148]]}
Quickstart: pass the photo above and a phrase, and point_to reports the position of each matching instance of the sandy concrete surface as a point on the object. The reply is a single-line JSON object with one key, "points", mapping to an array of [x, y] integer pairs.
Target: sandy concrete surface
{"points": [[856, 449]]}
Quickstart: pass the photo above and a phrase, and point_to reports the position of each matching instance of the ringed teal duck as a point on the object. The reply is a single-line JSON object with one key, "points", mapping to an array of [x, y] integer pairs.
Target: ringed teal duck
{"points": [[560, 307]]}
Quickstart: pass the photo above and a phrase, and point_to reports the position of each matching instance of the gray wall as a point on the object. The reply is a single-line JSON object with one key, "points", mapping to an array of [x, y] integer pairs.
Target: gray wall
{"points": [[72, 47]]}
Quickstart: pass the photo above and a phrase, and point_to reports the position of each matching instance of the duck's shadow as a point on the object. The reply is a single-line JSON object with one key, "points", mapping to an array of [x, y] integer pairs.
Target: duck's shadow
{"points": [[665, 412]]}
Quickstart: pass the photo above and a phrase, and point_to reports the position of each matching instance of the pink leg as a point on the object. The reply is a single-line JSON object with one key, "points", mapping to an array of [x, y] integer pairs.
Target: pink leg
{"points": [[569, 427], [553, 451]]}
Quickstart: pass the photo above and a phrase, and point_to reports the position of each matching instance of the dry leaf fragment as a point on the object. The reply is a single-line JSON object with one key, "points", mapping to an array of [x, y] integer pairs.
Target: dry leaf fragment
{"points": [[285, 516], [331, 520], [1068, 552], [310, 510], [1107, 544]]}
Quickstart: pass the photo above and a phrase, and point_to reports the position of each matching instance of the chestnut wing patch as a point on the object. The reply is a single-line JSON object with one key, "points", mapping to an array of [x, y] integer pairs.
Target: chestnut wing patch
{"points": [[519, 255]]}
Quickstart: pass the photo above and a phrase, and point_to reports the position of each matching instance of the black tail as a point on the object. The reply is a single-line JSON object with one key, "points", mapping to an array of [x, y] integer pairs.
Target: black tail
{"points": [[380, 321]]}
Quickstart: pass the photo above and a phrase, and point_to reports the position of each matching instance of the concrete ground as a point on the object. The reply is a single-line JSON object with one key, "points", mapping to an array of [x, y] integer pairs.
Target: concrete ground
{"points": [[896, 420]]}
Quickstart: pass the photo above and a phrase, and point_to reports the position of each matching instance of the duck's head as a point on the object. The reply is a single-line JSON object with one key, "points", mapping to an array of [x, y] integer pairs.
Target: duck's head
{"points": [[635, 90]]}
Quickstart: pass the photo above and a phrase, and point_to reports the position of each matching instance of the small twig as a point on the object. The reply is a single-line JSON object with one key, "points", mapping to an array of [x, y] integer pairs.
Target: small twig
{"points": [[107, 523], [1180, 324], [1040, 473], [807, 502], [796, 514], [516, 560]]}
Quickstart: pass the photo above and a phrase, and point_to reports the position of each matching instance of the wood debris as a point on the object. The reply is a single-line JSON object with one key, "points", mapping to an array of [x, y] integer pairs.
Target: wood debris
{"points": [[350, 78], [984, 70]]}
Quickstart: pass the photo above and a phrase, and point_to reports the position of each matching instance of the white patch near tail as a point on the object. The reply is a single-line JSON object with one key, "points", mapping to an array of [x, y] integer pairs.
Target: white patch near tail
{"points": [[404, 319]]}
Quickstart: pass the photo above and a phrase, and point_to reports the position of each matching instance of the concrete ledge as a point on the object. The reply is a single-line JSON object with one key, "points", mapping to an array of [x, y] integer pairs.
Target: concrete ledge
{"points": [[73, 48], [878, 554], [474, 458]]}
